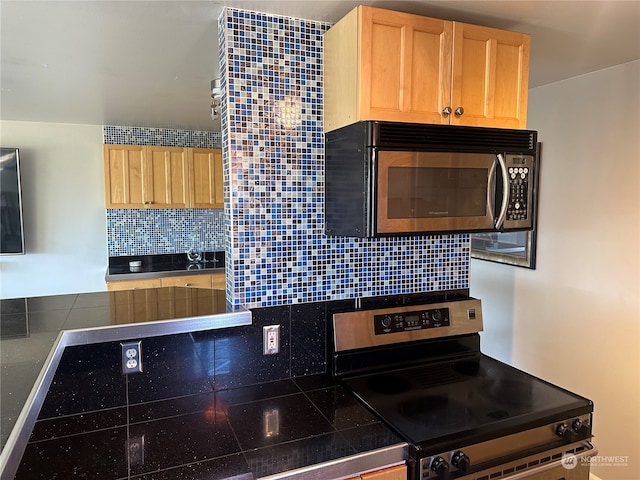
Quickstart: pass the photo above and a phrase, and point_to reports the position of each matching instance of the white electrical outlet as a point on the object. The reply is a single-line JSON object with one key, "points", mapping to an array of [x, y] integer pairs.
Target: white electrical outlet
{"points": [[131, 357], [271, 339]]}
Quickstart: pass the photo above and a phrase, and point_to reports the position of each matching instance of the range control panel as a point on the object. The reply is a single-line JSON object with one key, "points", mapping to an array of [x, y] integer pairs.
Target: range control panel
{"points": [[369, 328], [410, 321]]}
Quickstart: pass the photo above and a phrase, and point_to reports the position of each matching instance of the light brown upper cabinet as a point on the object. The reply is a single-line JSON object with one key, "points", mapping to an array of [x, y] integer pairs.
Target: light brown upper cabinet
{"points": [[162, 177], [393, 66], [490, 77], [205, 177]]}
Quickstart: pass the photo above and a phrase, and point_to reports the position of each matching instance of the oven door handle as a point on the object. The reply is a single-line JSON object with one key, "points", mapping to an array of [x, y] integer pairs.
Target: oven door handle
{"points": [[528, 474], [505, 192]]}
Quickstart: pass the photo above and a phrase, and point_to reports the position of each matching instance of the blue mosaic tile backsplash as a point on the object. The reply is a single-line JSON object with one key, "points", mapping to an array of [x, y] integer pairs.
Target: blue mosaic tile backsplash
{"points": [[158, 231], [165, 137], [273, 144]]}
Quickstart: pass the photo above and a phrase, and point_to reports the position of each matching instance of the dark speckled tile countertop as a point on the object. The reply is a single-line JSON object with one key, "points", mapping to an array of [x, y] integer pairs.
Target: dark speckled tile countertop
{"points": [[152, 266], [207, 404], [255, 431], [29, 328]]}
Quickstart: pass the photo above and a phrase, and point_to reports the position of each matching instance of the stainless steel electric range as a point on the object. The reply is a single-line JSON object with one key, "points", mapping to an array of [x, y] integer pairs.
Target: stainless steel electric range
{"points": [[464, 414]]}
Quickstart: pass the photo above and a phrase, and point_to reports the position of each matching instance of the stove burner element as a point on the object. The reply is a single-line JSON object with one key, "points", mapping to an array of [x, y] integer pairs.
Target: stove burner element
{"points": [[389, 384]]}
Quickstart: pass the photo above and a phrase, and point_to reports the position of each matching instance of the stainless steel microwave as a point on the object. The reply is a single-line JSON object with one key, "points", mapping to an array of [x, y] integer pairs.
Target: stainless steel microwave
{"points": [[399, 179]]}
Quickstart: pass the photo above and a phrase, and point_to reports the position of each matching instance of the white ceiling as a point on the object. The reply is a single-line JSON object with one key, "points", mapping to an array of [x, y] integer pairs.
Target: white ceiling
{"points": [[151, 63]]}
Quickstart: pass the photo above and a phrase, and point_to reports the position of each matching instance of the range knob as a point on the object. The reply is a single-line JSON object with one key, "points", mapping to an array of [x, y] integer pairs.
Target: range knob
{"points": [[437, 315], [461, 461], [441, 467], [563, 430], [386, 321], [581, 428]]}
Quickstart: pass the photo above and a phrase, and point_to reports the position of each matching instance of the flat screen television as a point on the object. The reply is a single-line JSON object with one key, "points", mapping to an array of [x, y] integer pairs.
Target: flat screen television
{"points": [[11, 224]]}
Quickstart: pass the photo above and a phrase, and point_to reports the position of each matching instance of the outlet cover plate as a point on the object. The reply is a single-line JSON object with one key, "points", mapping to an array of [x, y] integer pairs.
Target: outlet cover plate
{"points": [[270, 339], [131, 357]]}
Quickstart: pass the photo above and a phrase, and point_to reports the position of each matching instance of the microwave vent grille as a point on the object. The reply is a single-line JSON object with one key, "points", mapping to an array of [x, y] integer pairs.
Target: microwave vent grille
{"points": [[407, 136]]}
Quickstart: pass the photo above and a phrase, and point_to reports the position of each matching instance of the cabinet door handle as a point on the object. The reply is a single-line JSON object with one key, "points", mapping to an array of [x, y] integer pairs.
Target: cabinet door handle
{"points": [[459, 111], [446, 111], [148, 202]]}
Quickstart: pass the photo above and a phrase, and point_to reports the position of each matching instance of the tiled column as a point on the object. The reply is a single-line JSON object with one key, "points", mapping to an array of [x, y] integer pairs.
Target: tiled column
{"points": [[273, 149]]}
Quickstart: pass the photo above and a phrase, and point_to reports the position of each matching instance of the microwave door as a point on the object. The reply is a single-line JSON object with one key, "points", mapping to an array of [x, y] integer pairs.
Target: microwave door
{"points": [[434, 192]]}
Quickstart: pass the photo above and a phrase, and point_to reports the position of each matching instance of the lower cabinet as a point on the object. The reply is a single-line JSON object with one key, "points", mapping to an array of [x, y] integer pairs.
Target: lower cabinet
{"points": [[202, 281], [398, 472], [212, 280], [219, 281], [134, 284], [148, 305]]}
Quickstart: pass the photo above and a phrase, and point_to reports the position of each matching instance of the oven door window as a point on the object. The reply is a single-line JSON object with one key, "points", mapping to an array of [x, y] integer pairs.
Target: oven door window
{"points": [[434, 191]]}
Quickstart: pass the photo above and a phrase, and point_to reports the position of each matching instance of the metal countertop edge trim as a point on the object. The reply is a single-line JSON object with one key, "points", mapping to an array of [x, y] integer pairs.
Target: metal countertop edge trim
{"points": [[117, 277], [115, 333], [19, 437], [350, 466]]}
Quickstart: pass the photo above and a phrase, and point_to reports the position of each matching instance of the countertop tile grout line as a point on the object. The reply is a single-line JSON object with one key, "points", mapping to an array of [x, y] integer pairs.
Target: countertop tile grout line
{"points": [[235, 436], [128, 420]]}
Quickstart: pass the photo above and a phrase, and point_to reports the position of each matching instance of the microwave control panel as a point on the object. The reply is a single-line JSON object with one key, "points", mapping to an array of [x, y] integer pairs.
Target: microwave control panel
{"points": [[409, 321], [520, 172]]}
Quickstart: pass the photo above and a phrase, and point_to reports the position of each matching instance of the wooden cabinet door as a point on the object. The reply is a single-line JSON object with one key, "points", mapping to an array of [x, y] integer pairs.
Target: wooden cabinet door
{"points": [[125, 169], [133, 306], [405, 67], [393, 66], [205, 178], [398, 472], [203, 281], [134, 284], [490, 76], [138, 176], [167, 177], [219, 281], [215, 280], [206, 301]]}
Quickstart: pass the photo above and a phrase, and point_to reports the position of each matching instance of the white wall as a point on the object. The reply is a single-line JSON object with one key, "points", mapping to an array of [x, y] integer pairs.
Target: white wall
{"points": [[575, 320], [64, 213]]}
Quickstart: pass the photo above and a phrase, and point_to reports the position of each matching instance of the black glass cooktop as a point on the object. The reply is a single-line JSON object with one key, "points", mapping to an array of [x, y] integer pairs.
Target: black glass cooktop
{"points": [[477, 398]]}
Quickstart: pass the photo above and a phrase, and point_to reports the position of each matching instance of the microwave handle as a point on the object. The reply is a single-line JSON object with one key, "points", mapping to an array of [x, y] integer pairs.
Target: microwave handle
{"points": [[505, 192], [491, 192]]}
